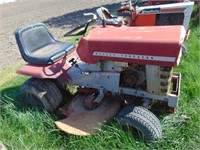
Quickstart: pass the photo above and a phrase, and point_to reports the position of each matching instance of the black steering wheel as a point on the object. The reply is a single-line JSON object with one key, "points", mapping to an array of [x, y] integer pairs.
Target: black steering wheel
{"points": [[81, 29]]}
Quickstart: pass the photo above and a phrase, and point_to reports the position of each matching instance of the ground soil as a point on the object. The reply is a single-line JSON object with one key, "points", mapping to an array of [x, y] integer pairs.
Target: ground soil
{"points": [[58, 15]]}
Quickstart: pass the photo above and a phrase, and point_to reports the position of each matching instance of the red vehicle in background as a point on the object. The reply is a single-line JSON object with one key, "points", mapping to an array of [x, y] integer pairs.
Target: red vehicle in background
{"points": [[144, 13]]}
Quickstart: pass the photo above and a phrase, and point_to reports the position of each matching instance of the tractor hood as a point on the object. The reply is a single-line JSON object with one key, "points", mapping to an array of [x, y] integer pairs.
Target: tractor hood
{"points": [[153, 45]]}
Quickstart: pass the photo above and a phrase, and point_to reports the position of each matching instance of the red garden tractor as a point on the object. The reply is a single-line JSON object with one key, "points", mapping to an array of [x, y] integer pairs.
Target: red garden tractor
{"points": [[111, 67]]}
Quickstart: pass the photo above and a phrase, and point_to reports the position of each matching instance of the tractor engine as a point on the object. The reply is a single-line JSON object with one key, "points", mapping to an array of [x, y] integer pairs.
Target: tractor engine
{"points": [[134, 76], [150, 78]]}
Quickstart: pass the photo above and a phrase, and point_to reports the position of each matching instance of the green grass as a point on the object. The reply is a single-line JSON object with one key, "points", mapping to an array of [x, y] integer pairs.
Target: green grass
{"points": [[24, 128]]}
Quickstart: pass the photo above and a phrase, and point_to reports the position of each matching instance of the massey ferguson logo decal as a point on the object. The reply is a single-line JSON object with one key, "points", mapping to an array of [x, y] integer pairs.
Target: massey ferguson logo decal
{"points": [[150, 11], [133, 56]]}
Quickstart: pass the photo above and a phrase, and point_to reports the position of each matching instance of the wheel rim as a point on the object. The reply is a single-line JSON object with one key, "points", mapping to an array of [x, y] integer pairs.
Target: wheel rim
{"points": [[34, 101]]}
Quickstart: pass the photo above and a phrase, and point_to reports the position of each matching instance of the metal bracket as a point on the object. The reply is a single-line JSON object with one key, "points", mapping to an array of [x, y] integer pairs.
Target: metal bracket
{"points": [[100, 97], [92, 102]]}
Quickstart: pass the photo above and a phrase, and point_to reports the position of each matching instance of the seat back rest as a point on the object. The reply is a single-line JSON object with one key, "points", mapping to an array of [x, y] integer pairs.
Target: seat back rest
{"points": [[31, 38]]}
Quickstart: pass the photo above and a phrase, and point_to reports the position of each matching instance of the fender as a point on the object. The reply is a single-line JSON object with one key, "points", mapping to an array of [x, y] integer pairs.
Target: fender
{"points": [[57, 70]]}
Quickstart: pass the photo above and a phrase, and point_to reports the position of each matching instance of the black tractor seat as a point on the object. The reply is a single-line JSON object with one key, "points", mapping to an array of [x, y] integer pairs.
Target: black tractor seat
{"points": [[38, 46]]}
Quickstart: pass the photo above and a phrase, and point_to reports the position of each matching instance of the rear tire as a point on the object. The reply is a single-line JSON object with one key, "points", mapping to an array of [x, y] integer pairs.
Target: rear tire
{"points": [[41, 93], [142, 120]]}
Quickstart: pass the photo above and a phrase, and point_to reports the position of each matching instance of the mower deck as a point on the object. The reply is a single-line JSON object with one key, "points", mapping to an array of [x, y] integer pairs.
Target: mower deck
{"points": [[83, 122]]}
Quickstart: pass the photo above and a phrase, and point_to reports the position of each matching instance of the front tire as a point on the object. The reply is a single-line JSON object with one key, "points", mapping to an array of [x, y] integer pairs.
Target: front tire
{"points": [[142, 120], [41, 93]]}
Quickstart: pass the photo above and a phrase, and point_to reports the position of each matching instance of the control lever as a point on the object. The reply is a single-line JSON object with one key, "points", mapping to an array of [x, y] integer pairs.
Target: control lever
{"points": [[73, 62]]}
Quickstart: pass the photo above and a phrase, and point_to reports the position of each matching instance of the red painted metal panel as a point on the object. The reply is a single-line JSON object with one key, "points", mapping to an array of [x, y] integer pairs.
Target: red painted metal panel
{"points": [[53, 71], [172, 10], [145, 20], [143, 43]]}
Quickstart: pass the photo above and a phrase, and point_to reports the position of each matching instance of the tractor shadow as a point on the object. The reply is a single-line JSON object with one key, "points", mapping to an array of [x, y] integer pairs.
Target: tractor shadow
{"points": [[11, 102], [10, 96], [76, 18]]}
